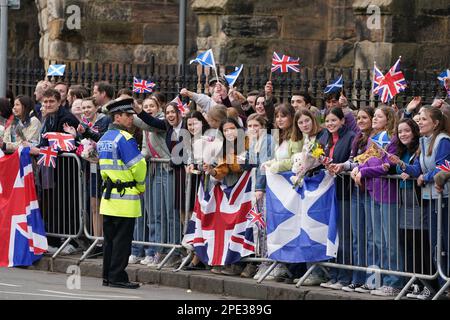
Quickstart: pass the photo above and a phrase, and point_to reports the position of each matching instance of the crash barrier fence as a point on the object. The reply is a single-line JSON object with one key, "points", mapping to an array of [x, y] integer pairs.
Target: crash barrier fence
{"points": [[394, 237]]}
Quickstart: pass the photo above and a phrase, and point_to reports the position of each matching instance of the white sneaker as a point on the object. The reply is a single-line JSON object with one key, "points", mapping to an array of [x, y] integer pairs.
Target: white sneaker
{"points": [[313, 280], [159, 257], [425, 294], [414, 294], [365, 288], [69, 249], [327, 284], [385, 291], [147, 260], [133, 259], [337, 286]]}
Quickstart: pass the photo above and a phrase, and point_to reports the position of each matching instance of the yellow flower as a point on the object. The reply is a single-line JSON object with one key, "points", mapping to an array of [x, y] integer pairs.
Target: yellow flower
{"points": [[317, 152]]}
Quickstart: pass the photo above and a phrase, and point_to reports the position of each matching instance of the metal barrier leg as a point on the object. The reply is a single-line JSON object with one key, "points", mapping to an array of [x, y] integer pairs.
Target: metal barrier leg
{"points": [[166, 259], [405, 288], [62, 247], [86, 253], [305, 276], [185, 261], [442, 290], [269, 270]]}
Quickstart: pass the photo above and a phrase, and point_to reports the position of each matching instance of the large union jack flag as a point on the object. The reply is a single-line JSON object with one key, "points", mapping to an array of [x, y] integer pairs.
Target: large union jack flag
{"points": [[285, 63], [142, 86], [60, 141], [389, 85], [22, 232], [219, 228]]}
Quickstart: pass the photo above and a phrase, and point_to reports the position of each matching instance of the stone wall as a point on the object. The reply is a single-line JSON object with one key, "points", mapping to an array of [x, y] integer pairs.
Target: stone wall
{"points": [[331, 33], [126, 31], [23, 32]]}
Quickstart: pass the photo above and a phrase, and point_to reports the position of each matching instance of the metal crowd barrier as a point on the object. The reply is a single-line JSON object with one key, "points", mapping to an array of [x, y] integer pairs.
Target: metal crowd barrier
{"points": [[443, 239], [60, 197], [386, 240], [163, 205]]}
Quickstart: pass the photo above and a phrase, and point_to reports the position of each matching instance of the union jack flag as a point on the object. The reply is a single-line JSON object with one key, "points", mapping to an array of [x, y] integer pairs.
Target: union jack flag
{"points": [[142, 86], [389, 85], [219, 229], [183, 107], [60, 141], [285, 63], [256, 217], [22, 232], [48, 157], [444, 167]]}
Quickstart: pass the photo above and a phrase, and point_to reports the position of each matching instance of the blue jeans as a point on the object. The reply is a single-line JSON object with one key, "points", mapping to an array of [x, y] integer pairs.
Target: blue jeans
{"points": [[386, 239], [362, 237], [141, 234], [164, 219], [344, 250], [431, 206]]}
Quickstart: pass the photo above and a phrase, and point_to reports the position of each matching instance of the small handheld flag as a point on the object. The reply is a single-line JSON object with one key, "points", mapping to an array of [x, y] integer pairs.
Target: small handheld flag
{"points": [[391, 84], [442, 76], [205, 59], [444, 167], [256, 217], [142, 86], [336, 86], [232, 77], [183, 107], [284, 63], [48, 157], [56, 70]]}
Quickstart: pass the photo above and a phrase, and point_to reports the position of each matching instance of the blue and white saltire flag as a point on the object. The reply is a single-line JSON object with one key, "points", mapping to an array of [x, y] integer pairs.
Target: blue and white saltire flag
{"points": [[56, 70], [301, 222], [232, 77], [336, 86], [443, 75], [205, 59], [220, 230]]}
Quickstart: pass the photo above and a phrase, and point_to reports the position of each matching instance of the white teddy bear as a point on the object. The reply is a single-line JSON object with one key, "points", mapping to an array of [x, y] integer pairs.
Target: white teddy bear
{"points": [[298, 159]]}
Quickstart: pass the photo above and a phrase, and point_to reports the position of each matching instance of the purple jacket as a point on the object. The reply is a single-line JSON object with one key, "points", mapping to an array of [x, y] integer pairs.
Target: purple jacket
{"points": [[380, 189]]}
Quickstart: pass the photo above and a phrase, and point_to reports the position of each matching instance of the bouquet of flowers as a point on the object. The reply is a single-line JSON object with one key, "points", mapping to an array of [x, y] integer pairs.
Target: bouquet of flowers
{"points": [[88, 150], [309, 158]]}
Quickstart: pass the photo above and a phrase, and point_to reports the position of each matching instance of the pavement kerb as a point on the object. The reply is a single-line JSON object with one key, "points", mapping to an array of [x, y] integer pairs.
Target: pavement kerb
{"points": [[204, 281]]}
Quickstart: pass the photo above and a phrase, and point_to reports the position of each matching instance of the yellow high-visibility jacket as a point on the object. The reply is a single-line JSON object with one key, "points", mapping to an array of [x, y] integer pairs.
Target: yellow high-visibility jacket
{"points": [[120, 159]]}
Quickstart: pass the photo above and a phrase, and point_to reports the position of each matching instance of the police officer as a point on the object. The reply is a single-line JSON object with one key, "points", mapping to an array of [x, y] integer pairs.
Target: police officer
{"points": [[123, 171]]}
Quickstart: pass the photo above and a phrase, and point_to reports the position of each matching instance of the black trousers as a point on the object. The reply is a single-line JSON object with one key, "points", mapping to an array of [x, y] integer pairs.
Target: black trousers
{"points": [[118, 235]]}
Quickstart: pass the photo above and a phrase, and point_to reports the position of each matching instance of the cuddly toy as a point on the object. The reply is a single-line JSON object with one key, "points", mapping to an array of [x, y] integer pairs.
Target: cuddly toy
{"points": [[298, 169]]}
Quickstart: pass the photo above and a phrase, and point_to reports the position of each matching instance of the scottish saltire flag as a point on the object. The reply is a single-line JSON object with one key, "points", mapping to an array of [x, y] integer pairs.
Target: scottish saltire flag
{"points": [[22, 232], [301, 222], [285, 63], [336, 86], [48, 157], [389, 85], [60, 141], [219, 229], [142, 86], [56, 70], [442, 76], [232, 77], [205, 59], [381, 139]]}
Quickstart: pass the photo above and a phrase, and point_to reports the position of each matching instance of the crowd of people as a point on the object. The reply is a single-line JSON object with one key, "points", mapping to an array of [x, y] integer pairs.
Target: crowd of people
{"points": [[256, 131]]}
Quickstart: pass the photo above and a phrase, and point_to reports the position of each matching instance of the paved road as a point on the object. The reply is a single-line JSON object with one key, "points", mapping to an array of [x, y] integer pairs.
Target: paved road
{"points": [[22, 284]]}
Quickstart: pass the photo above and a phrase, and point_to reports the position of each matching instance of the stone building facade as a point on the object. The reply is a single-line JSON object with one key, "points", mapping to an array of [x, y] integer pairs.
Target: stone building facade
{"points": [[332, 33]]}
